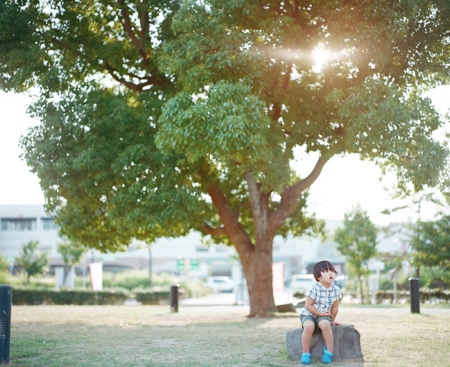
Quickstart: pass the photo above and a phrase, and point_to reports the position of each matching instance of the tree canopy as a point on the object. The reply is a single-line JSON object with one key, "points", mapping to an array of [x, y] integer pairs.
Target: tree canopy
{"points": [[431, 243], [32, 261], [158, 117]]}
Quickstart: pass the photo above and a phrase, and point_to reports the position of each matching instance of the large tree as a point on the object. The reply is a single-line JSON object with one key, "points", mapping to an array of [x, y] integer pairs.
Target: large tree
{"points": [[158, 117]]}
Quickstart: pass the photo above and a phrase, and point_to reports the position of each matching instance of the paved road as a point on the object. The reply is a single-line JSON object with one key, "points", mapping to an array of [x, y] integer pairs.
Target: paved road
{"points": [[230, 299], [217, 299]]}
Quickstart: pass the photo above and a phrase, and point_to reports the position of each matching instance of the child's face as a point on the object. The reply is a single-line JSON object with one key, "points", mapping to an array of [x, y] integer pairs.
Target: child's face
{"points": [[327, 278]]}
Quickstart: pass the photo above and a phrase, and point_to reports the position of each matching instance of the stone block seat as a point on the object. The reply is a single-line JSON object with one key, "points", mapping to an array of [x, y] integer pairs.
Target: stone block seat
{"points": [[347, 345]]}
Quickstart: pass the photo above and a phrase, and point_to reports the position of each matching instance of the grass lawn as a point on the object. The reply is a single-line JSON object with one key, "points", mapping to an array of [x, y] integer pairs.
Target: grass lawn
{"points": [[212, 336]]}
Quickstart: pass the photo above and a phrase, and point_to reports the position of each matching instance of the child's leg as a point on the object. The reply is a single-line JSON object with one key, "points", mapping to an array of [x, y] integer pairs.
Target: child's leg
{"points": [[308, 330], [327, 333]]}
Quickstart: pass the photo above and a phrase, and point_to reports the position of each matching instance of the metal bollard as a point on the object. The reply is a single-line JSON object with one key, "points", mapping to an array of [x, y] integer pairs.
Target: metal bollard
{"points": [[174, 298], [5, 322], [414, 295]]}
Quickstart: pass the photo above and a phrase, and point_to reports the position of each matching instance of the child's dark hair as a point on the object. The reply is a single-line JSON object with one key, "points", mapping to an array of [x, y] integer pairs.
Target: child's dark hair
{"points": [[321, 266]]}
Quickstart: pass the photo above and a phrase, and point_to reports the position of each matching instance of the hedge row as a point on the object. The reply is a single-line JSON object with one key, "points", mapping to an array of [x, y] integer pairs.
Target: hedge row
{"points": [[153, 297], [432, 295], [25, 296]]}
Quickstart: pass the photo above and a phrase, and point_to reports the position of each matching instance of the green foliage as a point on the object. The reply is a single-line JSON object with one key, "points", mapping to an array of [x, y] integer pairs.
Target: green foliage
{"points": [[71, 253], [137, 281], [31, 260], [133, 279], [431, 242], [4, 264], [434, 277], [4, 270], [357, 241], [429, 296]]}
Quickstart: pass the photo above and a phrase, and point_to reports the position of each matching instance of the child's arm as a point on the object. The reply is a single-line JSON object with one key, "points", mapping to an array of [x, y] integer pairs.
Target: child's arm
{"points": [[309, 305], [334, 311]]}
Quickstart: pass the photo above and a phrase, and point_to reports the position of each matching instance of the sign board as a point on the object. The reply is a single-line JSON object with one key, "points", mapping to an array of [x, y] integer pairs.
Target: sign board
{"points": [[194, 264], [375, 265], [96, 272], [180, 265], [278, 277]]}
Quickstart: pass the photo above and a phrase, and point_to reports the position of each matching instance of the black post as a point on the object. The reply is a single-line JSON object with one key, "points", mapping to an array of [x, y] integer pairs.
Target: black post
{"points": [[414, 295], [5, 322], [149, 267], [174, 298]]}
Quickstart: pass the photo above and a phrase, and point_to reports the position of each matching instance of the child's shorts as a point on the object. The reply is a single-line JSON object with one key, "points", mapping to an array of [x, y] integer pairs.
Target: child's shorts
{"points": [[314, 319]]}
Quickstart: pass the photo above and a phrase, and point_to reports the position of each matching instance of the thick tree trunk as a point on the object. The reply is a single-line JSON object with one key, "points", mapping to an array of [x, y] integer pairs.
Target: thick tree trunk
{"points": [[256, 258], [258, 273]]}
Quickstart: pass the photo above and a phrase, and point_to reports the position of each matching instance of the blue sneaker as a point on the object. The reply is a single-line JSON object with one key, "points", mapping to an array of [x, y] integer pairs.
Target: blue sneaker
{"points": [[327, 357], [305, 358]]}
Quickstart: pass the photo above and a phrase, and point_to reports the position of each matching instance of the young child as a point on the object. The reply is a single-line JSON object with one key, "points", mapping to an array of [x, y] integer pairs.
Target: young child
{"points": [[321, 308]]}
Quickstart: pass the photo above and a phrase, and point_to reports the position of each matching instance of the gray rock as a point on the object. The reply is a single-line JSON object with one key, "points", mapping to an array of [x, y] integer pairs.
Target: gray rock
{"points": [[287, 307], [347, 345]]}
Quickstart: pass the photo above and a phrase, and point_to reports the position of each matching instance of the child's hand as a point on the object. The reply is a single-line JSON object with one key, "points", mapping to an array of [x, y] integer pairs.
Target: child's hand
{"points": [[335, 323], [326, 313]]}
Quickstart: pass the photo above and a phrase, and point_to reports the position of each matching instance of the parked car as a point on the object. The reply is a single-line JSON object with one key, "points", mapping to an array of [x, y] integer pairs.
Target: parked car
{"points": [[302, 282], [220, 284]]}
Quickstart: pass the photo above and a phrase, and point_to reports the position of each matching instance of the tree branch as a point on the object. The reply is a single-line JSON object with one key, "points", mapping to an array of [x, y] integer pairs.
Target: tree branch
{"points": [[126, 21], [221, 231], [290, 195], [234, 229], [287, 78], [152, 80], [127, 25], [144, 19]]}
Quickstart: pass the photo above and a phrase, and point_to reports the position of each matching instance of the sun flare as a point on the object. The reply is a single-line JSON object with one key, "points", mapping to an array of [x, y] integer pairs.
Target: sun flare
{"points": [[321, 57]]}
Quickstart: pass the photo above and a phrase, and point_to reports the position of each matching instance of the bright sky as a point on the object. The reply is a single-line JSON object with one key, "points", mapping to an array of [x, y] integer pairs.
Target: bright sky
{"points": [[344, 182]]}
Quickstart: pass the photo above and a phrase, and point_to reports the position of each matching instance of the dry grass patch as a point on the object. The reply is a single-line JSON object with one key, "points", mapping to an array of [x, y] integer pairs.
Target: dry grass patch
{"points": [[150, 336]]}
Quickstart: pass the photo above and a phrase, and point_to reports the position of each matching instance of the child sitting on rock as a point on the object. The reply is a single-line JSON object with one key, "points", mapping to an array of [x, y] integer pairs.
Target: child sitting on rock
{"points": [[321, 308]]}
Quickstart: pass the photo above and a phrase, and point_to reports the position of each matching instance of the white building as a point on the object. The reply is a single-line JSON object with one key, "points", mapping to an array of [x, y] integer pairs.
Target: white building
{"points": [[22, 223]]}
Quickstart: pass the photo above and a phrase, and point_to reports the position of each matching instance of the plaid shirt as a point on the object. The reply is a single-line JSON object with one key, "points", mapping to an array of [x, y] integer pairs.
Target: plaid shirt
{"points": [[323, 297]]}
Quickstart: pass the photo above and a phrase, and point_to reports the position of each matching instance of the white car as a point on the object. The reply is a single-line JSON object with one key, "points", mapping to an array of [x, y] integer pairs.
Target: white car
{"points": [[220, 284], [302, 282]]}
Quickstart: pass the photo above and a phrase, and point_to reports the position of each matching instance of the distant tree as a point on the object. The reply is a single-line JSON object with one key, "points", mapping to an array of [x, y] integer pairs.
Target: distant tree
{"points": [[31, 260], [431, 243], [159, 117], [357, 241], [4, 264], [72, 253], [4, 267], [421, 231]]}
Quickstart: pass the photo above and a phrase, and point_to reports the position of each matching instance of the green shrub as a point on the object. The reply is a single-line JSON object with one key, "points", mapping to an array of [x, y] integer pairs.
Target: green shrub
{"points": [[132, 279], [152, 296], [298, 294], [431, 295], [28, 296]]}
